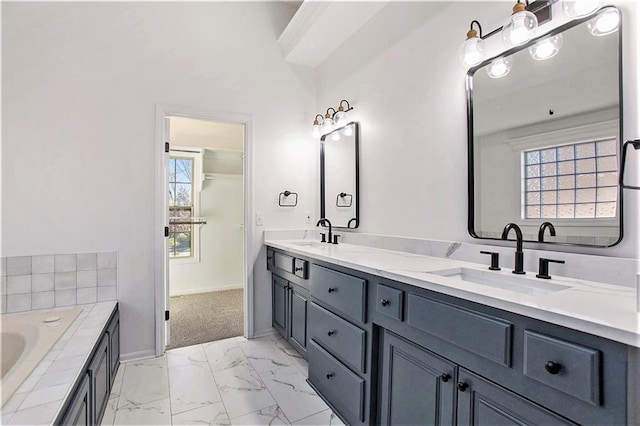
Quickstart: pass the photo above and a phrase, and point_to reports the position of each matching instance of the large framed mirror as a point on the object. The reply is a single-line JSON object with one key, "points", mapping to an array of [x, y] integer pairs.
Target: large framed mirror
{"points": [[544, 136], [339, 181]]}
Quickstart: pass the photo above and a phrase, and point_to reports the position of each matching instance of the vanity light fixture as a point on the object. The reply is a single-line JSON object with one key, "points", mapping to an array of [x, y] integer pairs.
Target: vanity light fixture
{"points": [[333, 119], [605, 23], [500, 67], [316, 125], [472, 52], [580, 8], [520, 27], [546, 48]]}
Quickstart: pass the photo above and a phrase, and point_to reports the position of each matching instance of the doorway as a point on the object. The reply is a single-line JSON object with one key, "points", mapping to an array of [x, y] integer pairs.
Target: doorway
{"points": [[205, 274]]}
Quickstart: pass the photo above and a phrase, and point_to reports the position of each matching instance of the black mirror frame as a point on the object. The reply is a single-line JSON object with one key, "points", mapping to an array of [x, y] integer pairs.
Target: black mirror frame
{"points": [[356, 133], [469, 89]]}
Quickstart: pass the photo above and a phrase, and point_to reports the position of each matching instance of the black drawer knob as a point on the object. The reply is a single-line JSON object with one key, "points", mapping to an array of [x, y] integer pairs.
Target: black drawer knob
{"points": [[331, 333], [329, 376], [462, 386], [331, 289], [445, 377], [384, 302], [552, 367]]}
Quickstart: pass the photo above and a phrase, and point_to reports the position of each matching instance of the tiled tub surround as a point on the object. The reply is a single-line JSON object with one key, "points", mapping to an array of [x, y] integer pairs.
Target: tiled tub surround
{"points": [[42, 282], [601, 309], [41, 396]]}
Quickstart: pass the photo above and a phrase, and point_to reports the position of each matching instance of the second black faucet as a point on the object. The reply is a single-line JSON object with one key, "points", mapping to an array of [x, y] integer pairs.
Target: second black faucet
{"points": [[519, 258]]}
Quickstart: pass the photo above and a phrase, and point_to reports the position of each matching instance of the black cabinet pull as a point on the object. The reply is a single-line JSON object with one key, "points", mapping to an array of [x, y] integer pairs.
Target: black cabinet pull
{"points": [[445, 377], [330, 333], [331, 289], [384, 302], [300, 269], [552, 367], [462, 386], [329, 376]]}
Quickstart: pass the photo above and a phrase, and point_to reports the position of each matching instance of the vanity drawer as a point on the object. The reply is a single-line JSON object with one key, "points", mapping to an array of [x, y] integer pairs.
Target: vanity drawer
{"points": [[342, 338], [344, 292], [301, 268], [566, 366], [478, 333], [342, 388], [389, 301], [283, 262]]}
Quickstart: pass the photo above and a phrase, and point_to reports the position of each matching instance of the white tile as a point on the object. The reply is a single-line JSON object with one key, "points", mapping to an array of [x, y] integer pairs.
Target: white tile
{"points": [[224, 354], [264, 354], [271, 415], [40, 415], [42, 367], [18, 302], [42, 264], [213, 414], [65, 263], [42, 282], [110, 411], [292, 393], [143, 382], [65, 297], [186, 356], [54, 379], [14, 402], [192, 386], [3, 304], [324, 418], [19, 265], [107, 277], [242, 390], [43, 300], [87, 278], [106, 294], [3, 266], [44, 395], [72, 363], [117, 382], [19, 284], [108, 260], [151, 413], [86, 295], [3, 285], [65, 280], [87, 261], [28, 384]]}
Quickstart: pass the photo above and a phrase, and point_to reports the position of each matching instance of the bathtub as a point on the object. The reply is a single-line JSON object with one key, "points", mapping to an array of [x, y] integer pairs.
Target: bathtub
{"points": [[24, 340]]}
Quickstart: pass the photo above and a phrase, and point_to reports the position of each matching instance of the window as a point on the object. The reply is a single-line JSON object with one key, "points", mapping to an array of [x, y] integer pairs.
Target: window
{"points": [[181, 206], [575, 181]]}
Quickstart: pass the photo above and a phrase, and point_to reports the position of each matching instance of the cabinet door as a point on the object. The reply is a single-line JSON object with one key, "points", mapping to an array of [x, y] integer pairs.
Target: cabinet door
{"points": [[418, 387], [114, 347], [481, 402], [298, 309], [100, 379], [279, 305], [79, 411]]}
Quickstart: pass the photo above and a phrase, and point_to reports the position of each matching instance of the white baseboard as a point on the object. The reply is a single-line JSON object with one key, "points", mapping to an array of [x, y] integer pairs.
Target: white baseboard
{"points": [[136, 356], [263, 333], [207, 290]]}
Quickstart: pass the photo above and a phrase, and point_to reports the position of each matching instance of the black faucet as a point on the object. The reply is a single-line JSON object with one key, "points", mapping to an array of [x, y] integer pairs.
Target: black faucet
{"points": [[519, 266], [545, 225], [325, 222]]}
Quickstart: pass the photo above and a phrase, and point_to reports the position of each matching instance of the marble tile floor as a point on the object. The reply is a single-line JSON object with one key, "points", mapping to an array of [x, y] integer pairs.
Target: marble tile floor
{"points": [[228, 382]]}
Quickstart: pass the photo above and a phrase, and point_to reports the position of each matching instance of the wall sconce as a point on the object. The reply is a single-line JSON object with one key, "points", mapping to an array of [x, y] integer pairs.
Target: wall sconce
{"points": [[520, 27], [472, 50], [333, 119]]}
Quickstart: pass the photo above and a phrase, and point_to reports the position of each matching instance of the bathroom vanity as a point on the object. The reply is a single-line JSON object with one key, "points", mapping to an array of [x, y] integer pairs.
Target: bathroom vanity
{"points": [[399, 338]]}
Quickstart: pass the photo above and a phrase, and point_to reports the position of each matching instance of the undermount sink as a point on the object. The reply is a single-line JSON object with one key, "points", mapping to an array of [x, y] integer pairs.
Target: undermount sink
{"points": [[510, 282], [308, 244]]}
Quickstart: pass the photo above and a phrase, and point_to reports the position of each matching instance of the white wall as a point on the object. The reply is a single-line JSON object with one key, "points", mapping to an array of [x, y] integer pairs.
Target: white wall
{"points": [[80, 85], [401, 73]]}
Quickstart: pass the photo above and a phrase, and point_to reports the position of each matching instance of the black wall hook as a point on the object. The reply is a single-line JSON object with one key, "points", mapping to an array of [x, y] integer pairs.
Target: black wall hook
{"points": [[636, 145]]}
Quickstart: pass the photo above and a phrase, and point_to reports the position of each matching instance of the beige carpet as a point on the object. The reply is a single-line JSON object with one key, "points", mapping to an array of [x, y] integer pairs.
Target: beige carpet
{"points": [[204, 317]]}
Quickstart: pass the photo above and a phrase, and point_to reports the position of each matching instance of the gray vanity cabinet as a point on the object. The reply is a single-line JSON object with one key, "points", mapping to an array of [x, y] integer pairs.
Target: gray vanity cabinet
{"points": [[417, 386], [279, 292], [79, 411], [100, 379], [113, 331], [290, 312]]}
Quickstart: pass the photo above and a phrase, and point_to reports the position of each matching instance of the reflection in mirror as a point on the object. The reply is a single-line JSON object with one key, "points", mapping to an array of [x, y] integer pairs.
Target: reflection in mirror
{"points": [[544, 137], [339, 176]]}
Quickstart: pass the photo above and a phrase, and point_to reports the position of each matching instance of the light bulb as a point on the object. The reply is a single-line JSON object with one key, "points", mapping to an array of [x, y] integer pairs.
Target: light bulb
{"points": [[547, 48], [520, 27], [348, 130], [327, 125], [316, 130], [335, 136], [471, 52], [499, 67], [579, 8], [605, 23], [340, 118]]}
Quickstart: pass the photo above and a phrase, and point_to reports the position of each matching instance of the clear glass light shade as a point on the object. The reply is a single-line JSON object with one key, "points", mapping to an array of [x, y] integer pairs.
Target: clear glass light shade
{"points": [[605, 23], [546, 48], [471, 52], [316, 131], [327, 126], [519, 28], [335, 136], [579, 8], [499, 67], [347, 131], [341, 118]]}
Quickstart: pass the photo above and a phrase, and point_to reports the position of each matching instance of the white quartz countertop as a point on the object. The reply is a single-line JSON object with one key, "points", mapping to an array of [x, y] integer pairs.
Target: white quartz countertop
{"points": [[600, 309], [42, 395]]}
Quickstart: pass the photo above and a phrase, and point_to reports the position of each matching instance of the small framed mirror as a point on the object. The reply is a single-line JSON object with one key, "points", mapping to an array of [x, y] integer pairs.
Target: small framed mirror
{"points": [[339, 181], [544, 129]]}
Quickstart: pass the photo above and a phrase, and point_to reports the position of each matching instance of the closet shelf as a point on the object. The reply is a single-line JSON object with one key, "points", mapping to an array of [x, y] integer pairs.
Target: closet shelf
{"points": [[187, 221], [210, 176]]}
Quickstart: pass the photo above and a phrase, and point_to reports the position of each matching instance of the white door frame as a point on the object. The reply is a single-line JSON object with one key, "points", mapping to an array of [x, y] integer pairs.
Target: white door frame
{"points": [[161, 216]]}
